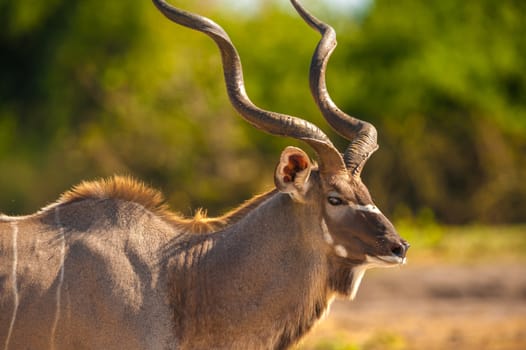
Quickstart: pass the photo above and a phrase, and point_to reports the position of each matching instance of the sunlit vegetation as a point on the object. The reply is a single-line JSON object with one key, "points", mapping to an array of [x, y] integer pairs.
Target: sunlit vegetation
{"points": [[92, 88]]}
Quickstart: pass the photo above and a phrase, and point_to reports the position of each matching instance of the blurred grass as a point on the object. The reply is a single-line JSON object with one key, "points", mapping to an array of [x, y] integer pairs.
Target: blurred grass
{"points": [[377, 341]]}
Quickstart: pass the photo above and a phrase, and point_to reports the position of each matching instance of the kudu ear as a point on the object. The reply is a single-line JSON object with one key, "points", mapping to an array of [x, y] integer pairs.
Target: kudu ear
{"points": [[292, 172]]}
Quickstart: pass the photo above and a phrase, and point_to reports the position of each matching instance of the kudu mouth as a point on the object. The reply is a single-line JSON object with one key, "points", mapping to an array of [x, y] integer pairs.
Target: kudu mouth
{"points": [[377, 236], [396, 256]]}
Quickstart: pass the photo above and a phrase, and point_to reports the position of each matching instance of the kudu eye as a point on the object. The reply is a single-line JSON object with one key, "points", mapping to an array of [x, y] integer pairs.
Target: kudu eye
{"points": [[335, 200]]}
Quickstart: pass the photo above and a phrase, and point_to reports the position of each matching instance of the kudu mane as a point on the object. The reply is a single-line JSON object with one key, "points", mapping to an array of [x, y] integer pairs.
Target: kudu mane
{"points": [[128, 189]]}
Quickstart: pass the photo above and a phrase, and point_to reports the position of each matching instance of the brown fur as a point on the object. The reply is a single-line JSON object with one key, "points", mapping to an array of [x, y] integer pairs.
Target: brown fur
{"points": [[118, 187], [127, 188], [110, 266], [258, 277]]}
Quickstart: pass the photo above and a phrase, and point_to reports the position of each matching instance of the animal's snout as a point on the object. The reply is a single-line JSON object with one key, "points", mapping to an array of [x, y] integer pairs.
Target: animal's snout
{"points": [[399, 249]]}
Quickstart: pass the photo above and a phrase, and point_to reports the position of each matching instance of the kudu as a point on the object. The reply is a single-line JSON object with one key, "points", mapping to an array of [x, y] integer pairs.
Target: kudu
{"points": [[108, 266]]}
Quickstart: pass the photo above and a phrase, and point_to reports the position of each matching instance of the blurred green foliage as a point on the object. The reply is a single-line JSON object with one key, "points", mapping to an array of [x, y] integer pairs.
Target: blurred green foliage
{"points": [[92, 88], [466, 244]]}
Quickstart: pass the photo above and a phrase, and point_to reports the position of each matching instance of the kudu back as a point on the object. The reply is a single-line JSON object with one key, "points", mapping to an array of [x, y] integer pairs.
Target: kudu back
{"points": [[108, 266]]}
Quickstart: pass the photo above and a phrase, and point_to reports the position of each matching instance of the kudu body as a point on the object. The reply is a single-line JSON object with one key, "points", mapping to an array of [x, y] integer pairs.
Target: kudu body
{"points": [[109, 267]]}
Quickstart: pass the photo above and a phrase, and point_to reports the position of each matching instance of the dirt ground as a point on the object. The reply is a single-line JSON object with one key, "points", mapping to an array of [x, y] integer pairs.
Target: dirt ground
{"points": [[430, 307]]}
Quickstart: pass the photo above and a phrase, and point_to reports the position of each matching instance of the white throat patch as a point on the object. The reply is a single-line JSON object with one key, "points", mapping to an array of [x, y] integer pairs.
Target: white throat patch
{"points": [[357, 275], [370, 262]]}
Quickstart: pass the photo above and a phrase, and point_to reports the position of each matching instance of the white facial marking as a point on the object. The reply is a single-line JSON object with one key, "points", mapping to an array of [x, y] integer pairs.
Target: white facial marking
{"points": [[341, 251], [369, 208], [326, 234], [14, 282], [338, 248], [61, 274]]}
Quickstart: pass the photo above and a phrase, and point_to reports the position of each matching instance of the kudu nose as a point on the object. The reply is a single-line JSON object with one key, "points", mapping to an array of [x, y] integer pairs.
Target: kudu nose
{"points": [[400, 249]]}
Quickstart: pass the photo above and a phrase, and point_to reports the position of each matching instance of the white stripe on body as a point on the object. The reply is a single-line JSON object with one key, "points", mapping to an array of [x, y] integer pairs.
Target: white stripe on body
{"points": [[14, 282], [60, 277]]}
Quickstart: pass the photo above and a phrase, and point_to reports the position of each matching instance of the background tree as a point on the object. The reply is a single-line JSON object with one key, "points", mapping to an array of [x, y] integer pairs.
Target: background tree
{"points": [[90, 88]]}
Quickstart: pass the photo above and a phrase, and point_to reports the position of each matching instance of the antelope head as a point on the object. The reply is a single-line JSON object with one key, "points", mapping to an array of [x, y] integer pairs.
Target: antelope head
{"points": [[355, 232]]}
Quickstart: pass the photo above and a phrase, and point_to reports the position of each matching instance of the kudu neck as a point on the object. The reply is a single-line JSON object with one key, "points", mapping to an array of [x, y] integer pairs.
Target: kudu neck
{"points": [[263, 274]]}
